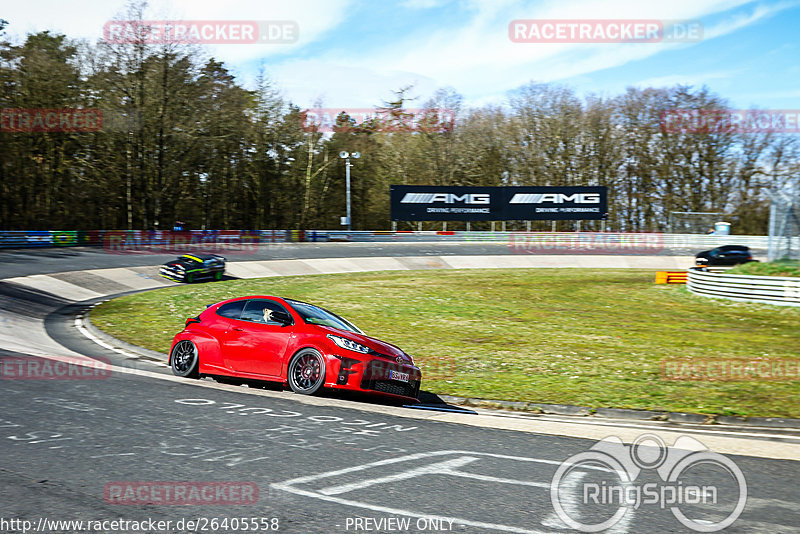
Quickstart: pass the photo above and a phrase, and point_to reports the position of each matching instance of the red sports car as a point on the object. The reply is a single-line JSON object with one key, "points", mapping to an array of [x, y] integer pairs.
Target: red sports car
{"points": [[284, 340]]}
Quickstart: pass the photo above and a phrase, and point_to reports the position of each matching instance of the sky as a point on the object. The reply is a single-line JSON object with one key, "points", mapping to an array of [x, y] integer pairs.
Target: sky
{"points": [[355, 53]]}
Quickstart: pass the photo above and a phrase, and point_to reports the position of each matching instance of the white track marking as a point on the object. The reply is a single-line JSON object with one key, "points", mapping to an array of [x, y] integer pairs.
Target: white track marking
{"points": [[487, 478], [446, 467], [441, 468], [82, 329], [662, 427]]}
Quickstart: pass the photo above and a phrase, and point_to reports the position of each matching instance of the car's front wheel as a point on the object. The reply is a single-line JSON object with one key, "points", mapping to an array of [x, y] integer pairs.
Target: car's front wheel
{"points": [[185, 361], [306, 373]]}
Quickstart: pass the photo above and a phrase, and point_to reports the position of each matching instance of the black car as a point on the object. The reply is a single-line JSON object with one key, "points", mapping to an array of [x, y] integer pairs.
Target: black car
{"points": [[191, 267], [725, 255]]}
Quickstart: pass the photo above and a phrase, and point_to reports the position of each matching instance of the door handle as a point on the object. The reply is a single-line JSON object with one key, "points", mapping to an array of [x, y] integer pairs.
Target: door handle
{"points": [[237, 329]]}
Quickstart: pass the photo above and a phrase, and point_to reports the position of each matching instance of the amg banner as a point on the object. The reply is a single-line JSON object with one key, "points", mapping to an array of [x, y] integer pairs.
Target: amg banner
{"points": [[435, 203]]}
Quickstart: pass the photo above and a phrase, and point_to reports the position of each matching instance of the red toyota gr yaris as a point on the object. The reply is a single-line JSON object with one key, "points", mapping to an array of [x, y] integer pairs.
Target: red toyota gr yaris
{"points": [[284, 340]]}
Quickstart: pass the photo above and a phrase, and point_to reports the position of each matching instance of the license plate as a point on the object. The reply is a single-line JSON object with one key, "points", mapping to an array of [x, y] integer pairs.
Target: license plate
{"points": [[395, 375]]}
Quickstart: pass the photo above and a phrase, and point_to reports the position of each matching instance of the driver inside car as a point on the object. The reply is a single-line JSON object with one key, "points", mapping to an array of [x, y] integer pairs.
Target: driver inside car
{"points": [[267, 315]]}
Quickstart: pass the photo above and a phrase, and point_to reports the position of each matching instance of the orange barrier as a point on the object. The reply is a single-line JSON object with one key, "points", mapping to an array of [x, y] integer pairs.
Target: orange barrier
{"points": [[671, 277]]}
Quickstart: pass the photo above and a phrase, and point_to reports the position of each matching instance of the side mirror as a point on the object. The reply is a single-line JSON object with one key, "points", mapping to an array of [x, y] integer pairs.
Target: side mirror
{"points": [[281, 317]]}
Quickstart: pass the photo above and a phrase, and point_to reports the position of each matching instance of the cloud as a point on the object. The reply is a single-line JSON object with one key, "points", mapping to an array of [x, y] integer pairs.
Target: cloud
{"points": [[429, 43], [85, 19], [314, 17], [478, 58], [76, 19], [738, 21], [342, 85], [423, 4]]}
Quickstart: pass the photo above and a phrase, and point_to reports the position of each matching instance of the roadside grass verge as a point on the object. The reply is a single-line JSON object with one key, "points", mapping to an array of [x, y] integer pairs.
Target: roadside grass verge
{"points": [[772, 268], [574, 336]]}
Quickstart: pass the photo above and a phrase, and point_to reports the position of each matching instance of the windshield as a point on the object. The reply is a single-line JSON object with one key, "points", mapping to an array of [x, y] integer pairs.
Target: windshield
{"points": [[315, 315]]}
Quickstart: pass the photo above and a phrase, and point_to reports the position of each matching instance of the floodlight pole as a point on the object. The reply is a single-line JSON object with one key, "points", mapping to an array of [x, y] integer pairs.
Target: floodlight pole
{"points": [[347, 182], [204, 181], [346, 156]]}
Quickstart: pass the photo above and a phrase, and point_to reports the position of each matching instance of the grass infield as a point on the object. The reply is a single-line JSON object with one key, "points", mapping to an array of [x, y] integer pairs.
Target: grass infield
{"points": [[597, 338], [772, 268]]}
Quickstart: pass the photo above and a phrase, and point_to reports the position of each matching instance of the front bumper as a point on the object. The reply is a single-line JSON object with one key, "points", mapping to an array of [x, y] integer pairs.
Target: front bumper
{"points": [[376, 375], [172, 274], [383, 377]]}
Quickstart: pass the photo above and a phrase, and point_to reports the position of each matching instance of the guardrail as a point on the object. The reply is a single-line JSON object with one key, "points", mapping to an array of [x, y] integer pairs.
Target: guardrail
{"points": [[521, 242], [784, 291]]}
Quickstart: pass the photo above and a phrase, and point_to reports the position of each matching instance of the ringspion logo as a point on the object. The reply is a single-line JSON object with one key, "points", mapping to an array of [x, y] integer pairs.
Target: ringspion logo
{"points": [[597, 489]]}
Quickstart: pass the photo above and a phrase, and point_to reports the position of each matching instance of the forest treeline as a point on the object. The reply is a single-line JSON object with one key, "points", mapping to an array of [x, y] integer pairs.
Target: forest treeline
{"points": [[185, 140]]}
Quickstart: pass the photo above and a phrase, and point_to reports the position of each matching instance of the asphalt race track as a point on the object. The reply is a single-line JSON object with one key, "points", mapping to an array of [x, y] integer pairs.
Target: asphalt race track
{"points": [[24, 262], [130, 448]]}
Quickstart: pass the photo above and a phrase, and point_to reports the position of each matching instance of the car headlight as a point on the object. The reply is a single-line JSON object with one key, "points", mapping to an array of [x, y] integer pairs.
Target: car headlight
{"points": [[349, 344]]}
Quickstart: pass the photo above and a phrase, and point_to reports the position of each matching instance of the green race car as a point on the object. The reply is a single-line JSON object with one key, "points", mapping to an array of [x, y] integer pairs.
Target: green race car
{"points": [[191, 267]]}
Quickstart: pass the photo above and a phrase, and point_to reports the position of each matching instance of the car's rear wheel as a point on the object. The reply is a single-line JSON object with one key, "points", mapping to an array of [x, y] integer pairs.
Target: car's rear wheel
{"points": [[306, 373], [185, 361]]}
